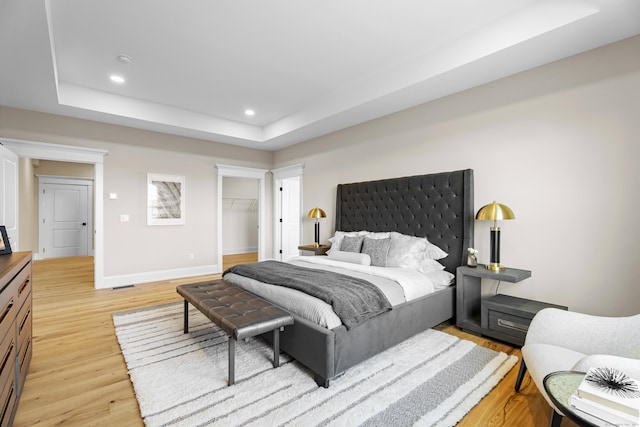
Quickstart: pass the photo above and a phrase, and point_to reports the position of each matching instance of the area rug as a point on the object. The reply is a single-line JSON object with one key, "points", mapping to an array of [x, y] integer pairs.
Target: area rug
{"points": [[432, 379]]}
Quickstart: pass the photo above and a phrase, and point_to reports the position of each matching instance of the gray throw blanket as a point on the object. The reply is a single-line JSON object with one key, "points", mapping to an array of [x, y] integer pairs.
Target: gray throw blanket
{"points": [[353, 300]]}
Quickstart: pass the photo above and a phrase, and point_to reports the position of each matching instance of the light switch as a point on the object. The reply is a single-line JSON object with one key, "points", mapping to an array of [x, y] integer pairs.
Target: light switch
{"points": [[113, 196], [124, 218]]}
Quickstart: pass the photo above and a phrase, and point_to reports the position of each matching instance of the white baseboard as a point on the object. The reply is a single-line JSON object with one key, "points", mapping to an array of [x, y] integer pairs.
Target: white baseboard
{"points": [[154, 276], [37, 256], [239, 251]]}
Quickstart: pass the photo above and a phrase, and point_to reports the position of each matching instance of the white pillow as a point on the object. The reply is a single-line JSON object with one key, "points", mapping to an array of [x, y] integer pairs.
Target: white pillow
{"points": [[410, 251], [336, 240], [406, 251], [429, 265], [351, 257], [378, 235], [434, 251], [440, 278]]}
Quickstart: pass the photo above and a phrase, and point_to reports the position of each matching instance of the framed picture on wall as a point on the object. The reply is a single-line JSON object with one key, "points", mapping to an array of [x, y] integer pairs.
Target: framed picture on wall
{"points": [[165, 199], [5, 245]]}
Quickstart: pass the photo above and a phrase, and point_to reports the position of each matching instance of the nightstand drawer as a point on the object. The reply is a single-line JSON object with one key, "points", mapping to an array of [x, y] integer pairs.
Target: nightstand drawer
{"points": [[508, 318], [507, 324]]}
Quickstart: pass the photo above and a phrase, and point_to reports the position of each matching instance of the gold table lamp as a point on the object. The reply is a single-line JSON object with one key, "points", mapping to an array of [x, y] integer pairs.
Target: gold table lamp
{"points": [[494, 212], [317, 213]]}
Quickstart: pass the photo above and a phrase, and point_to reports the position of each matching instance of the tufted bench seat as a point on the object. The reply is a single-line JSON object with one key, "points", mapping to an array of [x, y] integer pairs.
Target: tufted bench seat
{"points": [[237, 312]]}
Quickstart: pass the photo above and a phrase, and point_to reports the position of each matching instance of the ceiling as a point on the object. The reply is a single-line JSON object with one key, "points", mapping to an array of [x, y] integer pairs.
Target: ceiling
{"points": [[306, 68]]}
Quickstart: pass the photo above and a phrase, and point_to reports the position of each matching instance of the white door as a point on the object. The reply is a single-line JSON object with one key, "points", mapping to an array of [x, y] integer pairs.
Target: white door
{"points": [[290, 217], [9, 195], [64, 220]]}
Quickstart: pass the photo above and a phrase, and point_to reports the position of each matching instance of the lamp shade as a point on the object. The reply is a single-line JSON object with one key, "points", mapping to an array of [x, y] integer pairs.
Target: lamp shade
{"points": [[316, 213], [495, 211]]}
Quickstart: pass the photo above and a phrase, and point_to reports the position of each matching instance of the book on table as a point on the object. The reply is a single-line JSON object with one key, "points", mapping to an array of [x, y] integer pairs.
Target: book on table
{"points": [[608, 391], [603, 412]]}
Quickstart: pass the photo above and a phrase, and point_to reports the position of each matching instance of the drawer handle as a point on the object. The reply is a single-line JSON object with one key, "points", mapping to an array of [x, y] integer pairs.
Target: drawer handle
{"points": [[511, 325], [7, 309], [24, 284], [5, 408], [6, 357], [24, 320]]}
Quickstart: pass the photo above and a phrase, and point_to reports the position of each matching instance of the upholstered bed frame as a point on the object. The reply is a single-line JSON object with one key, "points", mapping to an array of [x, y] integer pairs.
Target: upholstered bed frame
{"points": [[437, 206]]}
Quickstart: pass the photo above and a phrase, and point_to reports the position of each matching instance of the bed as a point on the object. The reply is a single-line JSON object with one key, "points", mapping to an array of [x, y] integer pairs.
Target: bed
{"points": [[436, 206]]}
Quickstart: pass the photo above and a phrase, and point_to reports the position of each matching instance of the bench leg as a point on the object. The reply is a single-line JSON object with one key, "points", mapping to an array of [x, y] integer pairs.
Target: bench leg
{"points": [[186, 316], [276, 347], [232, 360]]}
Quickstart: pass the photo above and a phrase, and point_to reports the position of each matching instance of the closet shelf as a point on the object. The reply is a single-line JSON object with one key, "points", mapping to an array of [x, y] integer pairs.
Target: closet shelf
{"points": [[229, 203]]}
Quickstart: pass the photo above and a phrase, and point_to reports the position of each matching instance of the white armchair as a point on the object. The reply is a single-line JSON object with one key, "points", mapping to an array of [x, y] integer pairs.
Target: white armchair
{"points": [[559, 340]]}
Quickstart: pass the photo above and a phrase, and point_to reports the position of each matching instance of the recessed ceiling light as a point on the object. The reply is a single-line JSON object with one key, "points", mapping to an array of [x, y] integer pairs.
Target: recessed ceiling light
{"points": [[249, 112], [125, 59], [116, 79]]}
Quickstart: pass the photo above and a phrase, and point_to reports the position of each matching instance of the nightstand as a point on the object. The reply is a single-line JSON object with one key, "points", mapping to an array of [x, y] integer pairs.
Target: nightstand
{"points": [[502, 317], [469, 293], [317, 250]]}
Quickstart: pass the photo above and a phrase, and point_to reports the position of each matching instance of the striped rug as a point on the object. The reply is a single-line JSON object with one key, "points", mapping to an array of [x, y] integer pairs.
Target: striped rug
{"points": [[432, 379]]}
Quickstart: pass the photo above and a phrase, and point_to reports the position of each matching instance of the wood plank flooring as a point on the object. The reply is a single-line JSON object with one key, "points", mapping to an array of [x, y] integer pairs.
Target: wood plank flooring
{"points": [[78, 376]]}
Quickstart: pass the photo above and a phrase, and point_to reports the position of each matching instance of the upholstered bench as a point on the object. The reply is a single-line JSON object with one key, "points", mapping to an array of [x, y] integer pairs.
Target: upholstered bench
{"points": [[237, 312]]}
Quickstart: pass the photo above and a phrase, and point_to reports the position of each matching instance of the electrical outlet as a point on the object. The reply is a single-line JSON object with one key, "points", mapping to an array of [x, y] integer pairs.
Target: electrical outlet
{"points": [[191, 257]]}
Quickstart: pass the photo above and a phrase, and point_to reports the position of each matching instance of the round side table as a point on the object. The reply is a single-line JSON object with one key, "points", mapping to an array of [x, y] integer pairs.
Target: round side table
{"points": [[559, 387]]}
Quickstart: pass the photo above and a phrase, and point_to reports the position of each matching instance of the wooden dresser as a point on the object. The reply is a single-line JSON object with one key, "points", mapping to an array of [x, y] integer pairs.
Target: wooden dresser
{"points": [[15, 330]]}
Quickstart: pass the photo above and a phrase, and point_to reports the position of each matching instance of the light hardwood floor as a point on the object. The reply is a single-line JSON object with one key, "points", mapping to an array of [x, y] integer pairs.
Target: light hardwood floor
{"points": [[78, 377]]}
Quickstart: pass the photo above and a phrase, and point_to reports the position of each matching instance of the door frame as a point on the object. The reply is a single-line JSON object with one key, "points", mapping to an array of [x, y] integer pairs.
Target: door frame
{"points": [[280, 174], [68, 153], [67, 180], [242, 172], [10, 209]]}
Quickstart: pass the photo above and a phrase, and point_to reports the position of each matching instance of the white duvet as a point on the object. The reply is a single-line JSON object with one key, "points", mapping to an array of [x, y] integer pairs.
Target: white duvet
{"points": [[398, 284]]}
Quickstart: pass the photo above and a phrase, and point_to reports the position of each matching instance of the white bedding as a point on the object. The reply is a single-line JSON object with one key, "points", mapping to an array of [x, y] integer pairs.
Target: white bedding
{"points": [[398, 284]]}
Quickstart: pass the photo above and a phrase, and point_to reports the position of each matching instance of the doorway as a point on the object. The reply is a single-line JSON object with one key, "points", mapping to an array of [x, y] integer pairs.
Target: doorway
{"points": [[239, 216], [240, 172], [288, 211], [65, 217], [41, 150]]}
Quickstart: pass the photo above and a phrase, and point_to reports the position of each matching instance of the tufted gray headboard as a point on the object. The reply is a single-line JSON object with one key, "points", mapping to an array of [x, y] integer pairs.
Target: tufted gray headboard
{"points": [[436, 206]]}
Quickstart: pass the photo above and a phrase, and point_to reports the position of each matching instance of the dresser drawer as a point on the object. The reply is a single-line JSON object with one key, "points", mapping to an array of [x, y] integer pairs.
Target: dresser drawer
{"points": [[25, 343], [24, 321], [7, 358], [8, 310], [7, 402], [24, 359], [23, 282]]}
